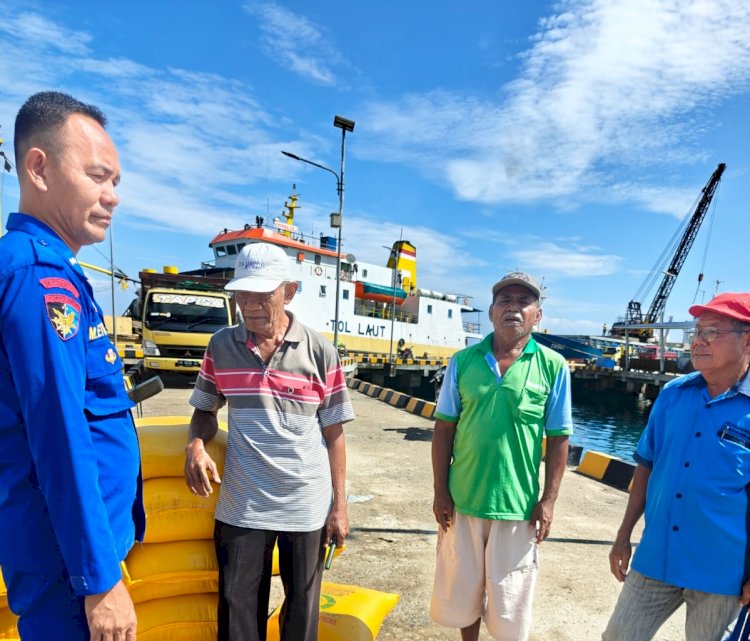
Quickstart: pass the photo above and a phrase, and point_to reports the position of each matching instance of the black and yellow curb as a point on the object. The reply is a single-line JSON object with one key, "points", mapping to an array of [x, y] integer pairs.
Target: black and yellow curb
{"points": [[396, 399], [385, 359], [607, 469], [129, 350]]}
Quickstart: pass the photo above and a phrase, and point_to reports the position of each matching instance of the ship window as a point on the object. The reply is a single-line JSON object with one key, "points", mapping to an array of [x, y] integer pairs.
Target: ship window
{"points": [[364, 273], [221, 251], [450, 313], [346, 294], [240, 246], [317, 259], [322, 290], [231, 250], [429, 309], [299, 286]]}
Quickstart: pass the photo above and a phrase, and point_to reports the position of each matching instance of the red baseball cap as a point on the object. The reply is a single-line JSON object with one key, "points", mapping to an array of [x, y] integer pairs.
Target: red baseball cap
{"points": [[734, 305]]}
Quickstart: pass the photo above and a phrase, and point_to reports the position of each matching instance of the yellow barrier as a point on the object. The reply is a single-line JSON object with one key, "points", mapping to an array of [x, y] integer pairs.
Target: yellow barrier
{"points": [[347, 613], [177, 568], [8, 622], [174, 513], [179, 618], [173, 581]]}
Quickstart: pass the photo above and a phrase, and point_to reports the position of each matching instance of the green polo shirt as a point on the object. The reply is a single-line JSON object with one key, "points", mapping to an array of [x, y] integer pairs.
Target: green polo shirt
{"points": [[500, 422]]}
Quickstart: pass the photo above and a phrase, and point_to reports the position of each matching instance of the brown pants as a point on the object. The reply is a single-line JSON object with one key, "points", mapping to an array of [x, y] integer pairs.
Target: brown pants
{"points": [[244, 557]]}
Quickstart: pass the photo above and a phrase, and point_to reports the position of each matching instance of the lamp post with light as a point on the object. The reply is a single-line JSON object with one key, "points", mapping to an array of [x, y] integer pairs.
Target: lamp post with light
{"points": [[336, 218]]}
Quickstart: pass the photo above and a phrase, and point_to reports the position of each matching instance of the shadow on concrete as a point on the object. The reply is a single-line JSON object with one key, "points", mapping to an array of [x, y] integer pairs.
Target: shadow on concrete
{"points": [[391, 530], [553, 539], [177, 380], [412, 433]]}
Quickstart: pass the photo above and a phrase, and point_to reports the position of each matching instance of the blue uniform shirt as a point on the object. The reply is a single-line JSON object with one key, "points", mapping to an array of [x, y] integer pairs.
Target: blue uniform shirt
{"points": [[70, 486], [697, 517]]}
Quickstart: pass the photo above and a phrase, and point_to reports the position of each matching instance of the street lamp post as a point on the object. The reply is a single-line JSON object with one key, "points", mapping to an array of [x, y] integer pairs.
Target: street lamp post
{"points": [[336, 218]]}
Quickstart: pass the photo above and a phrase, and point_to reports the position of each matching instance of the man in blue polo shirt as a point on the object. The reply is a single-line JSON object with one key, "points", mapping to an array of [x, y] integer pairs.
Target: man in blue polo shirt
{"points": [[70, 504], [692, 480]]}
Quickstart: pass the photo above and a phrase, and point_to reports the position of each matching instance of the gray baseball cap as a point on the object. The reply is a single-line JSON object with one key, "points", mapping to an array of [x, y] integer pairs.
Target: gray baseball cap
{"points": [[518, 278]]}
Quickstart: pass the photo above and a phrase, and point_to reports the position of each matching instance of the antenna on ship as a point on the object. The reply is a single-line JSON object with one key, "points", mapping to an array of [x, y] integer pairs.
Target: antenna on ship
{"points": [[291, 207]]}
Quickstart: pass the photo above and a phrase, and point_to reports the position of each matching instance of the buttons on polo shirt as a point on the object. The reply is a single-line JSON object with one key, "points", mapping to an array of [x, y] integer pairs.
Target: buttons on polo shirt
{"points": [[678, 495], [675, 528], [687, 463]]}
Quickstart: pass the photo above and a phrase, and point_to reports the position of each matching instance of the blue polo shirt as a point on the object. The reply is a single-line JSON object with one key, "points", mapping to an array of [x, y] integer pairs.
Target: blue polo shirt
{"points": [[697, 518], [70, 490]]}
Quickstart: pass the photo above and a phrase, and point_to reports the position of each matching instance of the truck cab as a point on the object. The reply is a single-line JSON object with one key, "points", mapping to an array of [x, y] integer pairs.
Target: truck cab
{"points": [[178, 315]]}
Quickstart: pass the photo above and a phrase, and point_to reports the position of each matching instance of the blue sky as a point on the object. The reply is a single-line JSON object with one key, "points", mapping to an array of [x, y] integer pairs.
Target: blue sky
{"points": [[566, 139]]}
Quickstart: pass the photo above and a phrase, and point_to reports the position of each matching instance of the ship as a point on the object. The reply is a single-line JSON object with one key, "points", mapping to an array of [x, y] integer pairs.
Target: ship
{"points": [[381, 307]]}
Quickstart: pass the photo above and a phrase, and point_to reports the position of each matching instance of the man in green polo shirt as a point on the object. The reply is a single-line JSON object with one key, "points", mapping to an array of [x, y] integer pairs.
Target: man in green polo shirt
{"points": [[499, 398]]}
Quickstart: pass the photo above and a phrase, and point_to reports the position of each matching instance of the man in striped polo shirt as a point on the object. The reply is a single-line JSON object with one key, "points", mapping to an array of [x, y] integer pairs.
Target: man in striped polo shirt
{"points": [[285, 466]]}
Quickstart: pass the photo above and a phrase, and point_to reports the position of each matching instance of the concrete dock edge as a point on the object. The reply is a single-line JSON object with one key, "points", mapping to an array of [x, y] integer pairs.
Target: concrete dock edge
{"points": [[596, 465]]}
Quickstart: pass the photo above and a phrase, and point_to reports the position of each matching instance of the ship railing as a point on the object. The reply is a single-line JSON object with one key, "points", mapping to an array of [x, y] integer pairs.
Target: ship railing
{"points": [[375, 311], [471, 328]]}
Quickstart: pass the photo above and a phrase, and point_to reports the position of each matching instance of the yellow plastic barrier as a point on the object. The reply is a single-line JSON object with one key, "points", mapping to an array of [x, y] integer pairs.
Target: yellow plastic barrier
{"points": [[8, 622], [347, 613], [160, 570], [180, 618], [3, 592], [163, 449], [174, 513], [145, 421]]}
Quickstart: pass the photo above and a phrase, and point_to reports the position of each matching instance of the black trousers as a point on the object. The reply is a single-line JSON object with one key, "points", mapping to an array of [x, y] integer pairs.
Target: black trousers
{"points": [[244, 556]]}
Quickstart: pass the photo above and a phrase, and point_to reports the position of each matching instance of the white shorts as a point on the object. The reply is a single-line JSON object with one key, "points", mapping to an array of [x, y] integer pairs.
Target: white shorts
{"points": [[486, 568]]}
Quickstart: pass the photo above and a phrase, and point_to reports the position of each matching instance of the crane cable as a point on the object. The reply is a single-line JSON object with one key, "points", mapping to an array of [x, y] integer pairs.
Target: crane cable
{"points": [[711, 217], [662, 262]]}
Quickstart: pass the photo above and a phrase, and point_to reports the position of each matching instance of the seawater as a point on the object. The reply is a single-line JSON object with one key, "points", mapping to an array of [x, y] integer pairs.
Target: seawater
{"points": [[608, 421]]}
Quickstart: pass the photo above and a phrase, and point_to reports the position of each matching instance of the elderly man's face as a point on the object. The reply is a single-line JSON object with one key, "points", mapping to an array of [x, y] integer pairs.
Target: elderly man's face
{"points": [[728, 350], [515, 310], [263, 312], [81, 183]]}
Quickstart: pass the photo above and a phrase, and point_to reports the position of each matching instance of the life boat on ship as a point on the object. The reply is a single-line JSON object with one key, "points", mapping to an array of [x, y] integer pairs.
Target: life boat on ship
{"points": [[380, 293]]}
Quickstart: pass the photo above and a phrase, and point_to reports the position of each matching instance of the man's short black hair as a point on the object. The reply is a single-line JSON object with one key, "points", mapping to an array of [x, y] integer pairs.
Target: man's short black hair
{"points": [[42, 115]]}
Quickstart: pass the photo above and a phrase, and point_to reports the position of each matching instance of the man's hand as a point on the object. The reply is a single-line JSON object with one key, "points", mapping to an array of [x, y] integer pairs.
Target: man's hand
{"points": [[442, 508], [541, 518], [198, 466], [619, 558], [745, 596], [337, 525], [111, 615]]}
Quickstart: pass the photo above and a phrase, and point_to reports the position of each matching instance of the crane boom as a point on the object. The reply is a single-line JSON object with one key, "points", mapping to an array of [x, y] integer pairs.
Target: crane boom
{"points": [[659, 302], [686, 242]]}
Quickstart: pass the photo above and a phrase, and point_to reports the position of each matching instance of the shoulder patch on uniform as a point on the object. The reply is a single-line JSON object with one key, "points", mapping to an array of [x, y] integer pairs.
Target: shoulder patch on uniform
{"points": [[59, 283], [64, 313]]}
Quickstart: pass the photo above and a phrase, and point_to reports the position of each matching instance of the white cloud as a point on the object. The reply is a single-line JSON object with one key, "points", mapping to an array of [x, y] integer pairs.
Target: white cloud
{"points": [[35, 31], [439, 255], [290, 39], [605, 89], [566, 261]]}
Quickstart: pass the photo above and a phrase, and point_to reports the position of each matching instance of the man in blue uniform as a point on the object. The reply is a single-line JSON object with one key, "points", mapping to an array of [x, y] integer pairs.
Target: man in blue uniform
{"points": [[70, 489], [692, 482]]}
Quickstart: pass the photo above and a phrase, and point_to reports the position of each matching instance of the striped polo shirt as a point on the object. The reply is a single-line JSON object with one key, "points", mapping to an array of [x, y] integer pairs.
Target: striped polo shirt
{"points": [[277, 474]]}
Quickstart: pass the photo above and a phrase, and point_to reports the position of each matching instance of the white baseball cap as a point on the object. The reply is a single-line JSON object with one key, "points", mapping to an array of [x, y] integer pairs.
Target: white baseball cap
{"points": [[260, 267]]}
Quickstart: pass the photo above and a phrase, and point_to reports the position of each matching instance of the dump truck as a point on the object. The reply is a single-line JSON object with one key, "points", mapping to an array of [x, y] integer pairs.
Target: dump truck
{"points": [[175, 315]]}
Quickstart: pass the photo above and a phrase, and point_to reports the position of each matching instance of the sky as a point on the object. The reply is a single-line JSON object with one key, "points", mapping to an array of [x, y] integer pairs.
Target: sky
{"points": [[567, 139]]}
